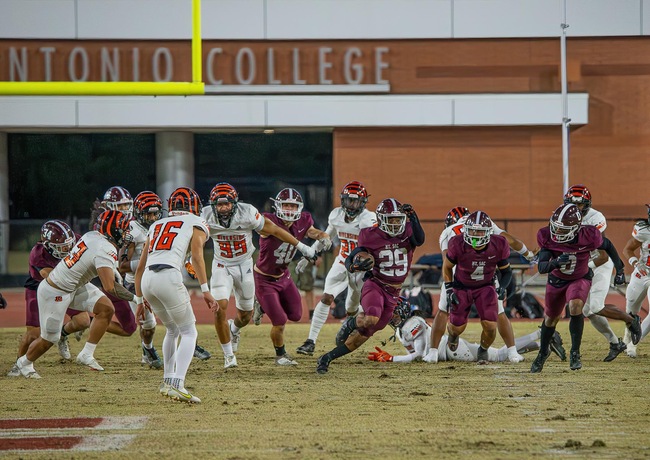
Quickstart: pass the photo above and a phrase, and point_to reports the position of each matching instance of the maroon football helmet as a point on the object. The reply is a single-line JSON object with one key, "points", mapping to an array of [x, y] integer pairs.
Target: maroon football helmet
{"points": [[183, 200], [354, 197], [578, 194], [223, 192], [565, 223], [145, 204], [288, 196], [390, 217], [118, 198], [477, 229], [114, 225], [455, 214], [58, 238]]}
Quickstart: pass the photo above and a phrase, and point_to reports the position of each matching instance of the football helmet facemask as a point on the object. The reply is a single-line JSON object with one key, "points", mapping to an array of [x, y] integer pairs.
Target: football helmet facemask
{"points": [[565, 223], [390, 217], [58, 238], [288, 196], [477, 229], [578, 195], [147, 208], [354, 197], [118, 198], [223, 193]]}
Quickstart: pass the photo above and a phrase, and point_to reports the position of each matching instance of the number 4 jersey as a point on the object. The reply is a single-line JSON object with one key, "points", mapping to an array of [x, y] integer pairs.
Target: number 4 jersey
{"points": [[234, 244], [169, 239], [474, 268], [91, 252]]}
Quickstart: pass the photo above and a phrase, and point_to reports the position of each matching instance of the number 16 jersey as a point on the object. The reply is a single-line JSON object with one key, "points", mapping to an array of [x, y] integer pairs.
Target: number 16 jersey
{"points": [[169, 239]]}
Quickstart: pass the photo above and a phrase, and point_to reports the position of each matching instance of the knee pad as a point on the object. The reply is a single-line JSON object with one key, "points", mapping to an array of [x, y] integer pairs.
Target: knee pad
{"points": [[52, 326]]}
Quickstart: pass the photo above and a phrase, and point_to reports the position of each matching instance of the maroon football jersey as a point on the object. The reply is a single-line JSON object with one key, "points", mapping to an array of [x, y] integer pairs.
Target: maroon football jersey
{"points": [[40, 258], [275, 254], [476, 268], [589, 238], [393, 254]]}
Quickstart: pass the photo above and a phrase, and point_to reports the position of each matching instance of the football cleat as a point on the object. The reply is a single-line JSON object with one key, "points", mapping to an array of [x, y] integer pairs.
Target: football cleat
{"points": [[635, 329], [181, 394], [234, 336], [307, 348], [229, 361], [27, 371], [150, 357], [90, 361], [556, 346], [64, 348], [258, 313], [164, 389], [574, 361], [615, 349], [348, 326], [201, 353], [514, 356], [14, 371], [538, 364], [285, 360], [323, 364]]}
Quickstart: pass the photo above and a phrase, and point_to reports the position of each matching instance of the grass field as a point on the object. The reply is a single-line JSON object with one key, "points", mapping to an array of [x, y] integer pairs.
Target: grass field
{"points": [[361, 409]]}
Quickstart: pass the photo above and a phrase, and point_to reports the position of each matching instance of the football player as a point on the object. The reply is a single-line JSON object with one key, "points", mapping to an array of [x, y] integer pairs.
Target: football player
{"points": [[158, 278], [231, 223], [454, 223], [278, 296], [93, 255], [346, 222], [637, 290], [57, 239], [566, 247], [414, 334], [595, 308], [390, 246]]}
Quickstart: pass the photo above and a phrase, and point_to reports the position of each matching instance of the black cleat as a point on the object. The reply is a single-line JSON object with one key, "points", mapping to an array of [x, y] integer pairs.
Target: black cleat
{"points": [[201, 353], [556, 346], [635, 329], [538, 364], [323, 364], [150, 356], [574, 362], [306, 348], [348, 326], [615, 349]]}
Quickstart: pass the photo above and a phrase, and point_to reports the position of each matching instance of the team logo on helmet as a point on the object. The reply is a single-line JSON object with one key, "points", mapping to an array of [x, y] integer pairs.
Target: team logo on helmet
{"points": [[147, 208], [288, 204], [390, 217], [578, 194], [58, 238], [354, 197], [477, 229], [224, 193], [565, 223], [184, 200], [114, 225], [455, 214], [118, 198]]}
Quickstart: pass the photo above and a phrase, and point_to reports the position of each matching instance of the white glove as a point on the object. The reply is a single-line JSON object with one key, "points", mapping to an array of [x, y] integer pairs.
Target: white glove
{"points": [[431, 356], [302, 265], [306, 251], [325, 243], [514, 356]]}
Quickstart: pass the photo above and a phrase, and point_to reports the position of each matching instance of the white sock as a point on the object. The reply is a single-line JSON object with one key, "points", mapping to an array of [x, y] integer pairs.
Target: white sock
{"points": [[185, 351], [24, 361], [321, 312], [234, 328], [169, 351], [227, 349], [89, 349], [601, 324]]}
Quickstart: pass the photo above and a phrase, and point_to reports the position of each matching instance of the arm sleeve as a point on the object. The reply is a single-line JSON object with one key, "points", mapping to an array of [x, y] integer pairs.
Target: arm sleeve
{"points": [[608, 247], [546, 264], [506, 276], [417, 238]]}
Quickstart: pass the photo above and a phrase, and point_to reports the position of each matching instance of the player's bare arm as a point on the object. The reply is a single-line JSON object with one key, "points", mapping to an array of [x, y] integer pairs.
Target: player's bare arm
{"points": [[630, 249], [198, 262], [107, 277], [139, 314]]}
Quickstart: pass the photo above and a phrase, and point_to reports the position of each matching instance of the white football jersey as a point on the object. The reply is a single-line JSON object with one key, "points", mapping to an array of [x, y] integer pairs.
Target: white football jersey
{"points": [[235, 243], [91, 252], [641, 233], [348, 232], [456, 229], [139, 235], [597, 219], [169, 239], [415, 336]]}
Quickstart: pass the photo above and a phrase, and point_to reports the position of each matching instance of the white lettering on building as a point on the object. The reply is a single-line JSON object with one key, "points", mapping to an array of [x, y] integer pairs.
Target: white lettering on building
{"points": [[160, 56], [110, 64], [209, 68], [324, 65], [245, 54], [82, 54], [18, 65], [47, 60]]}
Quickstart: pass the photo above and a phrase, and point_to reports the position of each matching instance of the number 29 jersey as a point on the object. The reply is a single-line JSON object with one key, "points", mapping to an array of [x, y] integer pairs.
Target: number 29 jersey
{"points": [[169, 239], [234, 244], [348, 232], [393, 254]]}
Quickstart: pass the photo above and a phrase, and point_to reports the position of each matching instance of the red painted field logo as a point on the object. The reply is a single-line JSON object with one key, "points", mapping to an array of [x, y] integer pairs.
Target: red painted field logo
{"points": [[75, 434]]}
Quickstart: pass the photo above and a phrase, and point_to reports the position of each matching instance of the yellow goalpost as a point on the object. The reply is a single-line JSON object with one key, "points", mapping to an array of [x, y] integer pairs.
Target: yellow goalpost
{"points": [[59, 88]]}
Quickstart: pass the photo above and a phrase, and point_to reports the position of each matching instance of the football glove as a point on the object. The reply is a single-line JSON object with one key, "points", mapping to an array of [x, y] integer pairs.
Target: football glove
{"points": [[380, 356]]}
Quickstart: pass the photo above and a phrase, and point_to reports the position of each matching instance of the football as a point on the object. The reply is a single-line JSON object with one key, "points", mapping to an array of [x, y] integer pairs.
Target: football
{"points": [[362, 256]]}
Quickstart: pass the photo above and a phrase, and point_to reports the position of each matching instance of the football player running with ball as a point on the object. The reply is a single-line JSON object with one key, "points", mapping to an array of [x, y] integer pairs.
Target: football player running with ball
{"points": [[385, 253]]}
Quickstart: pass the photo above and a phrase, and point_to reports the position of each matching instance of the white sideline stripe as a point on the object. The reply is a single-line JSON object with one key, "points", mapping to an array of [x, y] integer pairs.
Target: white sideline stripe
{"points": [[103, 442], [109, 423], [122, 423]]}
